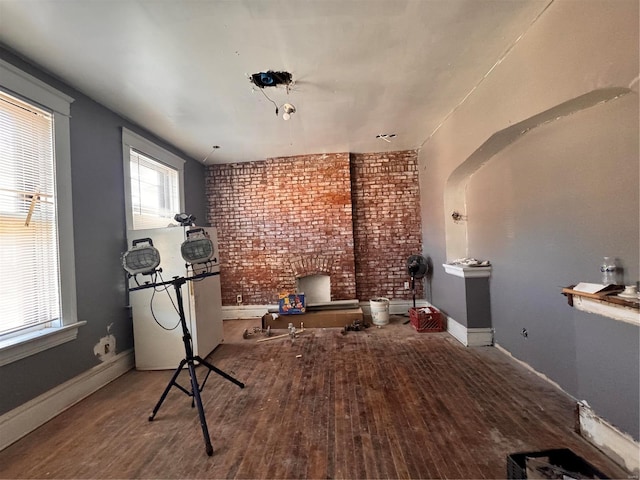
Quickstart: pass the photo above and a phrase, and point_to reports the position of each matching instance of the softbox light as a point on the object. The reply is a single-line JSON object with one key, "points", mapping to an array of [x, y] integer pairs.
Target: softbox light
{"points": [[143, 257], [197, 248]]}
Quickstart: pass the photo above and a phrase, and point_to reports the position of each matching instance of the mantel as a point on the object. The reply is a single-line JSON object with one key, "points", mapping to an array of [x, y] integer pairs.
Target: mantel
{"points": [[605, 303], [466, 271]]}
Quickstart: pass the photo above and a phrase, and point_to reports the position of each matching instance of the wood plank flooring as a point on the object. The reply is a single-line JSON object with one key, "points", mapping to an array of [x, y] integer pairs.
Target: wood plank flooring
{"points": [[383, 403]]}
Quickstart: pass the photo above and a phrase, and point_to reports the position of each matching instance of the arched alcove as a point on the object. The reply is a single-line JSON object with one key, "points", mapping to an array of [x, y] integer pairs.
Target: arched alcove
{"points": [[455, 208]]}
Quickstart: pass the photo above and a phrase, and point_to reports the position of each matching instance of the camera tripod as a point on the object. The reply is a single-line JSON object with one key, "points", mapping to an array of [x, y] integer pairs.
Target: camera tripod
{"points": [[190, 361]]}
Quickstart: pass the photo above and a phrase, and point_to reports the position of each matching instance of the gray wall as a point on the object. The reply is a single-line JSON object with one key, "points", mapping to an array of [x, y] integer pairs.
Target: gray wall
{"points": [[546, 210], [99, 232], [548, 206]]}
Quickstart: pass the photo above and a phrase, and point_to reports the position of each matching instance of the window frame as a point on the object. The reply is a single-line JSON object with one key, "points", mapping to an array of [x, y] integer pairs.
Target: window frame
{"points": [[131, 140], [15, 347]]}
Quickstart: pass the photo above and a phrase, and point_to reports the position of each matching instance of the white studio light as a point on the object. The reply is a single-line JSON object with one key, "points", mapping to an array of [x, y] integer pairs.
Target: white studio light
{"points": [[143, 257], [197, 248]]}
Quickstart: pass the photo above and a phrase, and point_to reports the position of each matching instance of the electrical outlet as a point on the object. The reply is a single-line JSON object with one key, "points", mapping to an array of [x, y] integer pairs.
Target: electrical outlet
{"points": [[406, 285], [239, 298]]}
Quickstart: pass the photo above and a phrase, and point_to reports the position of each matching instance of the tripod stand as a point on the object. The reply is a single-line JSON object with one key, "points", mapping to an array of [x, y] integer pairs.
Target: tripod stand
{"points": [[189, 361]]}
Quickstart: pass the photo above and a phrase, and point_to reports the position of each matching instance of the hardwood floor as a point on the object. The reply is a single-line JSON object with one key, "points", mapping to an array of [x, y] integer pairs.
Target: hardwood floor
{"points": [[383, 403]]}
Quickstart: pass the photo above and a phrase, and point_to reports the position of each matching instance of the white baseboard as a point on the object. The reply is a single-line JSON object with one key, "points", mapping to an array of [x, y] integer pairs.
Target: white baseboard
{"points": [[233, 312], [22, 420], [470, 337], [396, 307], [532, 370], [617, 445]]}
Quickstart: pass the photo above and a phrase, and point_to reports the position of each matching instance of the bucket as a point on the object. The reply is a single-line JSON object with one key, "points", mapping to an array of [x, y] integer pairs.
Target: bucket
{"points": [[379, 310]]}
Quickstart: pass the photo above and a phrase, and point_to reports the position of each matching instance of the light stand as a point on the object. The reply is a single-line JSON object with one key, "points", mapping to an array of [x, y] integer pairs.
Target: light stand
{"points": [[190, 359], [413, 289]]}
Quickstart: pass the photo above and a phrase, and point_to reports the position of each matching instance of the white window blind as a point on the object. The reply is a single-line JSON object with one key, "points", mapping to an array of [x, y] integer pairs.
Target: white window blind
{"points": [[29, 260], [155, 195]]}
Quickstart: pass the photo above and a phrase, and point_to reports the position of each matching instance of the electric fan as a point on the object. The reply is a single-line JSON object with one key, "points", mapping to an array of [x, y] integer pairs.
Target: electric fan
{"points": [[417, 267]]}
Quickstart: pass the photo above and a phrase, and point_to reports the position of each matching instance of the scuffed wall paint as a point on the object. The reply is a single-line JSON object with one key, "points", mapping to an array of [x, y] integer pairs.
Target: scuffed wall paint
{"points": [[617, 445], [105, 349]]}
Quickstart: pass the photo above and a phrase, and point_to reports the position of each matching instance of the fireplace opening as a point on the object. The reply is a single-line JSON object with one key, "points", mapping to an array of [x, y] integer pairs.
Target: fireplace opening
{"points": [[316, 288]]}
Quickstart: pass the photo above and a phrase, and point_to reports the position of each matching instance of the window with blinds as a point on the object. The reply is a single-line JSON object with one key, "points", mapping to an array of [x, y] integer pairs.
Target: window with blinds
{"points": [[29, 259], [155, 195]]}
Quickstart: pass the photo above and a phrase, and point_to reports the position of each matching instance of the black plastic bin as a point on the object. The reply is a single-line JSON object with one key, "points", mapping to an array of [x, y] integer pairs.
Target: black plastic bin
{"points": [[561, 461]]}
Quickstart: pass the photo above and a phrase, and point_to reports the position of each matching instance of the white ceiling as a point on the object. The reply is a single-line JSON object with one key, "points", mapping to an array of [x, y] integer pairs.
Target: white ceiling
{"points": [[361, 67]]}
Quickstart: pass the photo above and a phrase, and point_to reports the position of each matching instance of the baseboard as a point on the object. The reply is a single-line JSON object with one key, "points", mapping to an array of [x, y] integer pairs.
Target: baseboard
{"points": [[617, 445], [233, 312], [470, 337], [396, 307], [22, 420], [532, 370]]}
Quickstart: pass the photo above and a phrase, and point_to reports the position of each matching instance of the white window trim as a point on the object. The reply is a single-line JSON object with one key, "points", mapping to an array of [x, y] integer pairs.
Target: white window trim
{"points": [[133, 140], [32, 89]]}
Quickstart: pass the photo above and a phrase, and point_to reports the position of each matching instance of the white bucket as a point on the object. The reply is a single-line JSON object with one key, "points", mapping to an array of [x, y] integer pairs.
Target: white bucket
{"points": [[379, 310]]}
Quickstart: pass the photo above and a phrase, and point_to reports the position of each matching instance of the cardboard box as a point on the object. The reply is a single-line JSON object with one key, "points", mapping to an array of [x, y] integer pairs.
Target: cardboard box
{"points": [[291, 304]]}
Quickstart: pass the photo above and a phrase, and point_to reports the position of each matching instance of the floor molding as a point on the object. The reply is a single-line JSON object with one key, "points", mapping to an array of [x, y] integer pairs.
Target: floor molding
{"points": [[532, 370], [617, 445], [470, 337], [234, 312], [22, 420]]}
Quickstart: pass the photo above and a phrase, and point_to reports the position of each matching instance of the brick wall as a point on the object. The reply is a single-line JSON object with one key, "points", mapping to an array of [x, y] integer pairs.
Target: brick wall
{"points": [[272, 213], [387, 227], [355, 217]]}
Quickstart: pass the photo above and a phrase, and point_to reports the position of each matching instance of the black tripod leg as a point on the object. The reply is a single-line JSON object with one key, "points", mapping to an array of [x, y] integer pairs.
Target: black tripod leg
{"points": [[171, 383], [218, 371], [196, 396]]}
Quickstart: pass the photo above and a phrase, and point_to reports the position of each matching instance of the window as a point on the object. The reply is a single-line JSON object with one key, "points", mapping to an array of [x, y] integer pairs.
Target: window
{"points": [[37, 268], [153, 183], [28, 243], [154, 192]]}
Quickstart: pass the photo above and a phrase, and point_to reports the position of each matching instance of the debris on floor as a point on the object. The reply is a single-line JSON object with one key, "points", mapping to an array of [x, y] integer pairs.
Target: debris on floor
{"points": [[256, 331], [356, 326], [292, 333]]}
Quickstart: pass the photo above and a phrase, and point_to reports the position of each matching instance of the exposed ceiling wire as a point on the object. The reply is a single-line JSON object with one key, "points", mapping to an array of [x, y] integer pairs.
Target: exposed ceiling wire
{"points": [[277, 109], [213, 149]]}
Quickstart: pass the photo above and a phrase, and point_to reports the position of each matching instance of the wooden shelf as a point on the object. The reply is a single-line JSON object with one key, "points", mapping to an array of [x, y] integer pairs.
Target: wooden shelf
{"points": [[605, 303], [609, 295]]}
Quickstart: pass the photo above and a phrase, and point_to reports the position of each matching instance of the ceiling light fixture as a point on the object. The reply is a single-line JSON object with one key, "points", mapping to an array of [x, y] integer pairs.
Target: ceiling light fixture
{"points": [[288, 110]]}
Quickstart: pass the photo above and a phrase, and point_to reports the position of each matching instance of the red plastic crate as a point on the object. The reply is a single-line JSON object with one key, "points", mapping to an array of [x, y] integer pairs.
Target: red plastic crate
{"points": [[426, 319]]}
